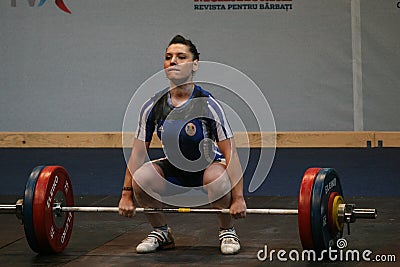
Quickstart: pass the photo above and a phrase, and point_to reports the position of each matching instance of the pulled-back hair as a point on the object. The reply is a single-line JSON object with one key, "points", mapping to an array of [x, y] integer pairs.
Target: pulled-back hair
{"points": [[179, 39]]}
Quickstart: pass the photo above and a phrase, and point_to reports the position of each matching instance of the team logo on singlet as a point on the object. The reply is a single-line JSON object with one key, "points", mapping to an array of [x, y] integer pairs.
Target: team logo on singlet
{"points": [[190, 129]]}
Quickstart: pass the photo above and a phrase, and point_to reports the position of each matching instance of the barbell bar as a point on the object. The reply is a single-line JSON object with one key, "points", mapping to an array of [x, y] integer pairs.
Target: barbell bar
{"points": [[59, 209], [8, 209], [47, 210], [357, 213]]}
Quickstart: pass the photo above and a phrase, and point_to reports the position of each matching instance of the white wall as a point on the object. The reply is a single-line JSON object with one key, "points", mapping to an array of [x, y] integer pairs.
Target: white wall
{"points": [[77, 72]]}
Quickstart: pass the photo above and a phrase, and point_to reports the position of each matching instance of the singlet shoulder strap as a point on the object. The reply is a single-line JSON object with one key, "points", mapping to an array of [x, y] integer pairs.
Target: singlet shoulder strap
{"points": [[160, 103]]}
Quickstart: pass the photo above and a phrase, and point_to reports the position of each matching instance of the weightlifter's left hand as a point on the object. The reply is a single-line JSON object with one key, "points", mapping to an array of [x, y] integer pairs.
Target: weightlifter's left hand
{"points": [[238, 208]]}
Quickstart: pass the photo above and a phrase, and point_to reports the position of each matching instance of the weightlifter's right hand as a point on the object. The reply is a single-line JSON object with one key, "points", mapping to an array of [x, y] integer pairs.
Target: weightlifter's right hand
{"points": [[126, 206]]}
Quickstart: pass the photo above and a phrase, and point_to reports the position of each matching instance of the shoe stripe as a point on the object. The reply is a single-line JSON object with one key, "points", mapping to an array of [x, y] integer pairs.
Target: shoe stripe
{"points": [[228, 235], [156, 237], [160, 236]]}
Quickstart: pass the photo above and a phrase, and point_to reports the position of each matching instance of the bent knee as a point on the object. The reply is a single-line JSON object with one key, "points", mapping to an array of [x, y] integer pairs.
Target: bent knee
{"points": [[215, 172], [216, 179], [148, 176]]}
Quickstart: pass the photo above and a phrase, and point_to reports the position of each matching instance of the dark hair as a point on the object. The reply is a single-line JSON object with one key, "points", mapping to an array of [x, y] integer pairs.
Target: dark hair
{"points": [[179, 39]]}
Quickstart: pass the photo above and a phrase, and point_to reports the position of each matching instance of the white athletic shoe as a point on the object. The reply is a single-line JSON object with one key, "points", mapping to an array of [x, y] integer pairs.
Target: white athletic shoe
{"points": [[230, 243], [156, 240]]}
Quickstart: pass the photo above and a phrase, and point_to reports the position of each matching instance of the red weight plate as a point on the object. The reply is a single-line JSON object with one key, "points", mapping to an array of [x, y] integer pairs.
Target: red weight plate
{"points": [[52, 232], [304, 207], [331, 223]]}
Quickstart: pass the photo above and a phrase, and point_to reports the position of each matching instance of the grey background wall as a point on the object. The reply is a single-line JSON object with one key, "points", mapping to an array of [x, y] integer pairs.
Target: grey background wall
{"points": [[78, 72]]}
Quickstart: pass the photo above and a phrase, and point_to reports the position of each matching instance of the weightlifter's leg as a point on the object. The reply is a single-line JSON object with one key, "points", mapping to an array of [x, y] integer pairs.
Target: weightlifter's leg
{"points": [[218, 186], [147, 182]]}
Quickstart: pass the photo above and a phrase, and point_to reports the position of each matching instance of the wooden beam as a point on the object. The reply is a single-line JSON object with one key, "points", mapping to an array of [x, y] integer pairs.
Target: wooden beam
{"points": [[60, 139], [387, 139], [243, 139], [325, 139]]}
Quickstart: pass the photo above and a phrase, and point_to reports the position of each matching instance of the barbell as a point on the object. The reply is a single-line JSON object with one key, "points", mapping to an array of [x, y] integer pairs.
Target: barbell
{"points": [[47, 209]]}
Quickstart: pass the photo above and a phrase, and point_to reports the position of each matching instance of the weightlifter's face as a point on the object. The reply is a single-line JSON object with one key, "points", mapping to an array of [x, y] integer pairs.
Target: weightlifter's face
{"points": [[179, 64]]}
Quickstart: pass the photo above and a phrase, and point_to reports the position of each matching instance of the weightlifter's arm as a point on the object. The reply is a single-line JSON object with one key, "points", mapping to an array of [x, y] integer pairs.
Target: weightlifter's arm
{"points": [[235, 173], [138, 156]]}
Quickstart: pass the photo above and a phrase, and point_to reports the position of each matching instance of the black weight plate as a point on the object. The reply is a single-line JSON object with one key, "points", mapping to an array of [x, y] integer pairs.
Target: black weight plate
{"points": [[27, 210], [326, 182]]}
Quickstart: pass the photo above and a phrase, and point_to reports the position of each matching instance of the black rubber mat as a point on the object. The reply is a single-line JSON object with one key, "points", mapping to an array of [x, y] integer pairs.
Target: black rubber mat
{"points": [[109, 240]]}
